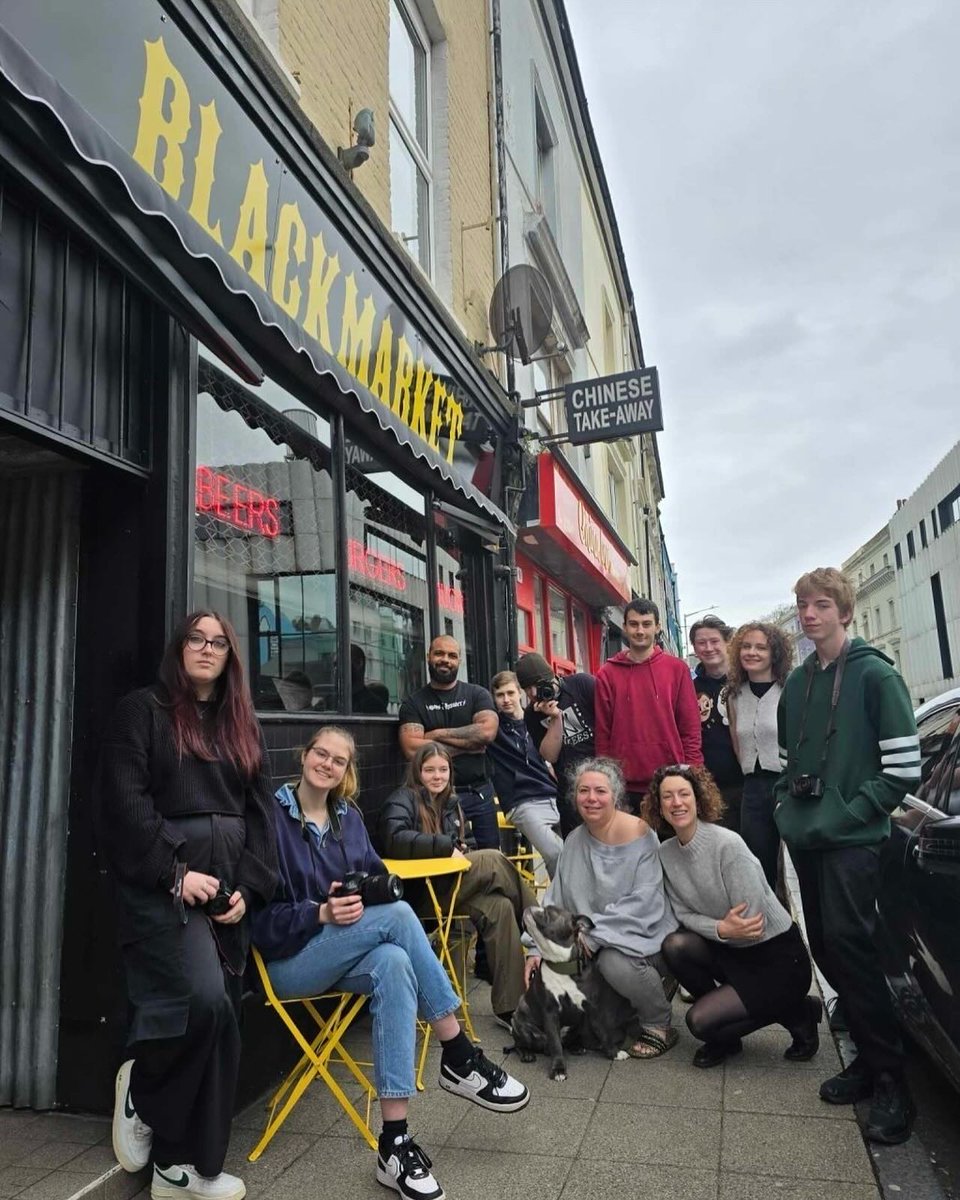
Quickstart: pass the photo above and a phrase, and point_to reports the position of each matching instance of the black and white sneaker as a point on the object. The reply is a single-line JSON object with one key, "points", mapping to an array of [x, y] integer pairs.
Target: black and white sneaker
{"points": [[484, 1083], [406, 1169]]}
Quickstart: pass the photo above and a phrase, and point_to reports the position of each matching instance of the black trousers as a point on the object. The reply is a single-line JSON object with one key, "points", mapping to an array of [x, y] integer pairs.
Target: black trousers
{"points": [[479, 809], [757, 826], [839, 892], [184, 987], [183, 1086]]}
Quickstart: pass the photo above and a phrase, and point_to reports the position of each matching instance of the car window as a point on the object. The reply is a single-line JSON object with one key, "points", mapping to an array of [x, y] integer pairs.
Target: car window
{"points": [[940, 754], [936, 730]]}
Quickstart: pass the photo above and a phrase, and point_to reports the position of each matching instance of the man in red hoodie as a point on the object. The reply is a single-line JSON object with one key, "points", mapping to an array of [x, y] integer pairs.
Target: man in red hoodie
{"points": [[647, 714]]}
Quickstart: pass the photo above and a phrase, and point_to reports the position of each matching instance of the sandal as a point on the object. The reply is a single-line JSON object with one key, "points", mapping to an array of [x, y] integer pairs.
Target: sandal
{"points": [[652, 1045]]}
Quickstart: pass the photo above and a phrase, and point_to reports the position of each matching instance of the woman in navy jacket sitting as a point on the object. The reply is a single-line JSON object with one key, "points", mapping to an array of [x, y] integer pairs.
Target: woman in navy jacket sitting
{"points": [[313, 939]]}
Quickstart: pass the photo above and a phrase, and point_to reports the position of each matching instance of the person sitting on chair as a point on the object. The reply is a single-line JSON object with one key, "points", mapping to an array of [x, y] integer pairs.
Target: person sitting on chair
{"points": [[423, 819], [314, 938]]}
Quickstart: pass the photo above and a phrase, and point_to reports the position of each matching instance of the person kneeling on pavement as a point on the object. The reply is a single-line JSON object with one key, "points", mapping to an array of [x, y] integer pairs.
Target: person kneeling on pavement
{"points": [[738, 952], [609, 870], [313, 938], [423, 819]]}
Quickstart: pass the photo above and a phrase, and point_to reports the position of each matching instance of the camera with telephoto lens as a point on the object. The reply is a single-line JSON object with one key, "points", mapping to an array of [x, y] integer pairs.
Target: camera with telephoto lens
{"points": [[548, 689], [219, 904], [372, 889], [806, 787]]}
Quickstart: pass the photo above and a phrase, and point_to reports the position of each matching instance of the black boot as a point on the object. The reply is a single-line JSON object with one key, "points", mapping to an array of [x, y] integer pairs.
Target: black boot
{"points": [[712, 1054], [806, 1039], [852, 1084], [892, 1110]]}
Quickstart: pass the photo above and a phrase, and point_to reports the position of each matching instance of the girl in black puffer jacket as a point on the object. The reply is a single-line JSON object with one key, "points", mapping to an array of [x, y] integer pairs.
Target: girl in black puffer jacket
{"points": [[423, 819]]}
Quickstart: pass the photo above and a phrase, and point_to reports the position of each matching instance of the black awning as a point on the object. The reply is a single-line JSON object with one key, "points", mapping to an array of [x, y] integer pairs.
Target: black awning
{"points": [[215, 297]]}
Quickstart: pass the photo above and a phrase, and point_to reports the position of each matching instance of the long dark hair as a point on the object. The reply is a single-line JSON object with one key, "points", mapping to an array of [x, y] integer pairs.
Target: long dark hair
{"points": [[431, 809], [235, 734]]}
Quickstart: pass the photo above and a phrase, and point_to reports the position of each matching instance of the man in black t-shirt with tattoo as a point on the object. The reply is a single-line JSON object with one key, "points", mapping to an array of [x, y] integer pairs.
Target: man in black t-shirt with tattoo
{"points": [[462, 717]]}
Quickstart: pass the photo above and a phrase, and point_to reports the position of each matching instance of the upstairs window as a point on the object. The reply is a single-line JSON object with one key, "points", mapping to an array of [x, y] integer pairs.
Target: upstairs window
{"points": [[911, 545], [411, 175], [546, 165]]}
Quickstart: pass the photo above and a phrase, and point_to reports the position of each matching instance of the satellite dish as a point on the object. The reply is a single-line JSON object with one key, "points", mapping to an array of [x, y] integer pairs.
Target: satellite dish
{"points": [[521, 312]]}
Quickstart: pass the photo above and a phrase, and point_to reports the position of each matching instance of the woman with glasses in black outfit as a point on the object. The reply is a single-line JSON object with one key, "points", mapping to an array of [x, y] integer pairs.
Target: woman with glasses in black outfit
{"points": [[185, 818]]}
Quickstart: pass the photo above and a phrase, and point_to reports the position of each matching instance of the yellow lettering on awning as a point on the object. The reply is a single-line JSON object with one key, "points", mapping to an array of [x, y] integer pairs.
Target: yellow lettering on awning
{"points": [[163, 88]]}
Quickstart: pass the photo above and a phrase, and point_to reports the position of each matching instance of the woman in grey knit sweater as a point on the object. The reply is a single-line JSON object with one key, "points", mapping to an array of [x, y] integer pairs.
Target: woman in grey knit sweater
{"points": [[738, 952], [609, 869]]}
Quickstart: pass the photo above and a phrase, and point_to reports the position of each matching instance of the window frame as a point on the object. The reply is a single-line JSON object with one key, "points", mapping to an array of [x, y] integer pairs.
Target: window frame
{"points": [[421, 155]]}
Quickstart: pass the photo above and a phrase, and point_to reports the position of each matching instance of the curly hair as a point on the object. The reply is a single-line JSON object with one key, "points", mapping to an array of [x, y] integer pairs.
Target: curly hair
{"points": [[710, 806], [601, 766], [781, 654]]}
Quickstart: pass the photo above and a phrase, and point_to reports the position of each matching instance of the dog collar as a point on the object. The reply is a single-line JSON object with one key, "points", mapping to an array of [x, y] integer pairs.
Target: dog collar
{"points": [[570, 967]]}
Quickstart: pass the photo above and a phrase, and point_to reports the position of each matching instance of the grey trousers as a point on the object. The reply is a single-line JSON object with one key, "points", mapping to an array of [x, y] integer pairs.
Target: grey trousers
{"points": [[537, 821], [638, 980]]}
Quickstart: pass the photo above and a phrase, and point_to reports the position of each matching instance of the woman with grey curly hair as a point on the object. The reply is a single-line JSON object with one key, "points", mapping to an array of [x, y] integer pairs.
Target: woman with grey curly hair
{"points": [[609, 869]]}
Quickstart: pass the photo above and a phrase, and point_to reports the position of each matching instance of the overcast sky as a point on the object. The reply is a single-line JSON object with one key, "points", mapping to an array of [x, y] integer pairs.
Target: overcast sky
{"points": [[786, 177]]}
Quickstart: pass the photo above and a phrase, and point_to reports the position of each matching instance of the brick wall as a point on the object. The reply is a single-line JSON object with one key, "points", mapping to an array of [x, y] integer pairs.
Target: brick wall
{"points": [[339, 52]]}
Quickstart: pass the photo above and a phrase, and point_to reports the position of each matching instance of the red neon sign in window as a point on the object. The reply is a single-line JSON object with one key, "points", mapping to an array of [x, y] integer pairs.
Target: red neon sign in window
{"points": [[375, 567], [450, 598], [241, 506]]}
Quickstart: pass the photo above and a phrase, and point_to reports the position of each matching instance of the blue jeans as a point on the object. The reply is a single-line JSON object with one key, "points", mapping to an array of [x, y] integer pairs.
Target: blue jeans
{"points": [[479, 809], [384, 955]]}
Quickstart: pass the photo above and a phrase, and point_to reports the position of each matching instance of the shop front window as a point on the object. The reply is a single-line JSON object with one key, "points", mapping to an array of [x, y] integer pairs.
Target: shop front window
{"points": [[538, 614], [559, 630], [581, 644], [454, 590], [265, 541], [386, 557]]}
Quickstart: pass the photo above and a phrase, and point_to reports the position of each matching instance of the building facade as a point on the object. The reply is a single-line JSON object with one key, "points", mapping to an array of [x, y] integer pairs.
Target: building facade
{"points": [[229, 378], [589, 537], [925, 535], [877, 614], [247, 250]]}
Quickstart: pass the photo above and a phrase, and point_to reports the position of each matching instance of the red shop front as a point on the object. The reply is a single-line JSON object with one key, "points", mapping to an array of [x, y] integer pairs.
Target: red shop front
{"points": [[571, 566]]}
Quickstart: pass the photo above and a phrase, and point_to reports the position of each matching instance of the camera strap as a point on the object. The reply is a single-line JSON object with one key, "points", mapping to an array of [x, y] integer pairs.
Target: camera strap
{"points": [[841, 663]]}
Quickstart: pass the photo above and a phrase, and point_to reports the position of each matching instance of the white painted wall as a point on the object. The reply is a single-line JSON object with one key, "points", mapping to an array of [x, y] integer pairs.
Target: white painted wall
{"points": [[922, 662]]}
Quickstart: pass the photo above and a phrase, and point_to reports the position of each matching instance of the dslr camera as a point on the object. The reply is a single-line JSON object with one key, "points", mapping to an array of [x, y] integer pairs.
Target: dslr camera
{"points": [[548, 689], [806, 787], [219, 904], [372, 889]]}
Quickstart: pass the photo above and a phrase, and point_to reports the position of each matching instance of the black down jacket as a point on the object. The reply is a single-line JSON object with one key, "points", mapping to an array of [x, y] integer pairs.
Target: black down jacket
{"points": [[398, 828]]}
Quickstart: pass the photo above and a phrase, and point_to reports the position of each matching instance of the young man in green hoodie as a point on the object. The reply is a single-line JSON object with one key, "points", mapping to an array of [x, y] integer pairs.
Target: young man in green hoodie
{"points": [[849, 752]]}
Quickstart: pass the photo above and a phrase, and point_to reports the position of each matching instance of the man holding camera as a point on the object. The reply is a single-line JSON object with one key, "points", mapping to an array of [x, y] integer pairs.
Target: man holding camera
{"points": [[560, 720], [849, 751]]}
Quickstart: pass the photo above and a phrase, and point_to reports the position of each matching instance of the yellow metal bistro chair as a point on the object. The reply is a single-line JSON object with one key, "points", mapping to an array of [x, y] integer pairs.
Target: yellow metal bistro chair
{"points": [[524, 857], [319, 1054]]}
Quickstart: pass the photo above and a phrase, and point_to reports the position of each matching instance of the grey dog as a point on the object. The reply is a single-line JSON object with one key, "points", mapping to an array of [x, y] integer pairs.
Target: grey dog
{"points": [[568, 1005]]}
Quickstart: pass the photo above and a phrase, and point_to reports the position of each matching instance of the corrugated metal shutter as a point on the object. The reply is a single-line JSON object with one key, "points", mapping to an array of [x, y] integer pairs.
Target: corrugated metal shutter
{"points": [[39, 536]]}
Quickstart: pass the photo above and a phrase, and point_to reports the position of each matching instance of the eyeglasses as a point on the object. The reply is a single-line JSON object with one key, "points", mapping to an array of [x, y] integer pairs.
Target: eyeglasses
{"points": [[325, 757], [196, 641]]}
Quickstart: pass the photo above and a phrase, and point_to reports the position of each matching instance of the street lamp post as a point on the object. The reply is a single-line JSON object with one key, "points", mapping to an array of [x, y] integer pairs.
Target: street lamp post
{"points": [[693, 613]]}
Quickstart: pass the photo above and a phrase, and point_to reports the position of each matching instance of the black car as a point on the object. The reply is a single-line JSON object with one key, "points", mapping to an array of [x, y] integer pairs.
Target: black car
{"points": [[919, 901]]}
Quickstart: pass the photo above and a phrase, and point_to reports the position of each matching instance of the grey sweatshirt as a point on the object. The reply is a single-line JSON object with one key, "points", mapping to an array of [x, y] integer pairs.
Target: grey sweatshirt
{"points": [[711, 874], [619, 887]]}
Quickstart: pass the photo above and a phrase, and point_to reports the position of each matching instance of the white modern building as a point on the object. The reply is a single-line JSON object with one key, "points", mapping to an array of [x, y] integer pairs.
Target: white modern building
{"points": [[925, 532]]}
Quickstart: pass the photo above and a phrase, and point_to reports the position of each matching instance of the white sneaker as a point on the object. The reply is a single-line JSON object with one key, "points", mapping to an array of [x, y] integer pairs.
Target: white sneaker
{"points": [[484, 1083], [183, 1180], [131, 1138], [407, 1170]]}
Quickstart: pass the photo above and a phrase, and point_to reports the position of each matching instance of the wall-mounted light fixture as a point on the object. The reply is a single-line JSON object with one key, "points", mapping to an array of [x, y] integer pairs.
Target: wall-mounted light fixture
{"points": [[355, 156]]}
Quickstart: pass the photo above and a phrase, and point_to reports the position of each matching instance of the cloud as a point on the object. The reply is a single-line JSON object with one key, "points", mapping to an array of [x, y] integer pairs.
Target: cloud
{"points": [[785, 178]]}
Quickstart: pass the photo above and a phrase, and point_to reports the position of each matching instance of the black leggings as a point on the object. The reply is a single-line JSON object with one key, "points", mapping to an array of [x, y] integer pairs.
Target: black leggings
{"points": [[718, 1014]]}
